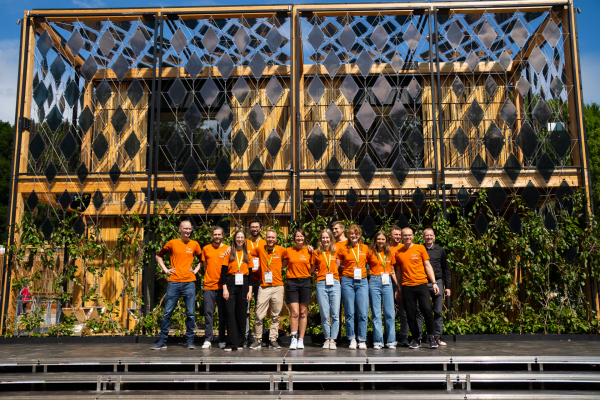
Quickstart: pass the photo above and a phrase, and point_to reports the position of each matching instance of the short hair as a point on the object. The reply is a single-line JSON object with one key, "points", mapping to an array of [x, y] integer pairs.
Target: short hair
{"points": [[257, 221], [429, 229], [188, 221], [395, 228], [300, 231], [218, 228], [354, 228], [271, 230], [336, 223], [407, 228]]}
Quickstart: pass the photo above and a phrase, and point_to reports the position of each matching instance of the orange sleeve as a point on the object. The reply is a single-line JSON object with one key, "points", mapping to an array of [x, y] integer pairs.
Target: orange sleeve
{"points": [[284, 254], [424, 253], [313, 258], [198, 250]]}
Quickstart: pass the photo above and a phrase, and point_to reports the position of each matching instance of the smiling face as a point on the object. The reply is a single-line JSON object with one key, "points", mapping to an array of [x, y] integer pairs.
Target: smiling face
{"points": [[396, 237], [338, 231], [239, 240], [380, 240], [354, 237], [271, 239], [407, 237], [299, 239], [185, 230], [325, 240], [217, 236], [428, 237], [255, 229]]}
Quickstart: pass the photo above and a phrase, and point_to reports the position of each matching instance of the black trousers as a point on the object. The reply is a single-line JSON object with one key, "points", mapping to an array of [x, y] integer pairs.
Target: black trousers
{"points": [[236, 306], [413, 297]]}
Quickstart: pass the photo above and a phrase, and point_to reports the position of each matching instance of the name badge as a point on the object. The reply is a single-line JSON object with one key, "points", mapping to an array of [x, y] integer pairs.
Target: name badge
{"points": [[239, 279], [385, 279], [329, 279], [269, 277], [358, 273], [255, 267]]}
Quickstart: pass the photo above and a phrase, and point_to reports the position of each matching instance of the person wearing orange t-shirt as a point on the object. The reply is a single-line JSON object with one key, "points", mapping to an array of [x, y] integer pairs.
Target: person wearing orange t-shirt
{"points": [[298, 286], [253, 242], [381, 292], [355, 288], [339, 232], [236, 275], [413, 261], [270, 293], [212, 257], [182, 278], [395, 244], [328, 291]]}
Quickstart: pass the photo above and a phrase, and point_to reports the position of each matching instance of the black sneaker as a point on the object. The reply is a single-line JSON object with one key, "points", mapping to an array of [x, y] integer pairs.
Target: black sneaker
{"points": [[432, 343], [275, 345], [414, 345], [159, 345], [403, 342], [255, 345]]}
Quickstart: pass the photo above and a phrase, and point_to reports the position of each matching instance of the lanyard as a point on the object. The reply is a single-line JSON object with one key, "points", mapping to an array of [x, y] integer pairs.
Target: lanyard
{"points": [[356, 257], [327, 261], [270, 259], [383, 260], [237, 256], [252, 243]]}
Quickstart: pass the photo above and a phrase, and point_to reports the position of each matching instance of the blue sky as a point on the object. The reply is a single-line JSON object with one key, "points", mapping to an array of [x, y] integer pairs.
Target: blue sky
{"points": [[13, 10]]}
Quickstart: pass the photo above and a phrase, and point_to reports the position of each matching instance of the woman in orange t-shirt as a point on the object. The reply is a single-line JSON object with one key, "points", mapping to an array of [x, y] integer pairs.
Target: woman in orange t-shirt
{"points": [[325, 261], [298, 288], [381, 293], [355, 288], [236, 276]]}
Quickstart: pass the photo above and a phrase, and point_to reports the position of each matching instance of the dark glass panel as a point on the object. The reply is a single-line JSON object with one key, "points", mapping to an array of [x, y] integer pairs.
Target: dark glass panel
{"points": [[556, 86], [367, 169], [316, 37], [210, 40], [173, 199], [79, 226], [397, 62], [82, 173], [472, 61], [316, 89], [545, 167], [68, 146], [351, 197], [414, 89], [552, 33], [177, 92], [137, 42], [274, 199], [504, 60], [487, 34], [523, 86], [508, 112], [119, 120], [240, 90], [537, 59], [240, 143], [175, 145], [416, 142], [418, 198], [560, 140], [412, 37], [44, 43], [256, 117], [135, 92], [463, 197], [132, 145], [317, 142], [224, 117], [114, 173], [490, 86], [206, 198], [481, 224], [208, 144], [226, 65], [494, 140], [333, 115], [97, 200], [458, 87], [542, 112], [241, 40], [333, 170], [40, 94], [179, 41], [209, 91], [50, 172], [364, 62], [54, 119], [400, 169], [383, 143], [512, 167], [256, 171], [106, 43], [71, 93], [194, 66], [515, 223], [382, 89], [479, 168], [398, 115], [350, 142], [120, 67], [274, 39], [454, 35], [570, 254], [403, 222], [239, 199], [349, 88], [332, 63], [130, 199], [379, 37], [368, 226], [347, 37], [563, 192], [550, 222], [190, 170], [519, 33], [89, 68], [384, 198], [318, 198], [47, 228], [100, 146], [475, 113], [273, 143], [274, 90], [192, 117], [37, 146], [32, 201], [531, 195], [497, 197], [527, 140], [57, 69], [366, 116], [460, 140], [257, 65]]}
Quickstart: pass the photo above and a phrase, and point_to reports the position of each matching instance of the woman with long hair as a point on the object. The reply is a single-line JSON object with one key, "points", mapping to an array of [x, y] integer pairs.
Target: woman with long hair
{"points": [[381, 266], [355, 288], [325, 261], [298, 287], [237, 290]]}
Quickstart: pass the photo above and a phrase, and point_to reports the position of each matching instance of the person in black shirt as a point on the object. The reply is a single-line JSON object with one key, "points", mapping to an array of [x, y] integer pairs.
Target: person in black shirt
{"points": [[437, 258]]}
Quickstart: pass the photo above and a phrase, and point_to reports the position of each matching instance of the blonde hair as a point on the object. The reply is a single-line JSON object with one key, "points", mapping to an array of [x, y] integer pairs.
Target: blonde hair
{"points": [[332, 247], [354, 228]]}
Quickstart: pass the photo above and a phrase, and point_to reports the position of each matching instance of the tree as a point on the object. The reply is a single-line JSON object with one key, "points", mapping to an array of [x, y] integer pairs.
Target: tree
{"points": [[6, 148], [592, 122]]}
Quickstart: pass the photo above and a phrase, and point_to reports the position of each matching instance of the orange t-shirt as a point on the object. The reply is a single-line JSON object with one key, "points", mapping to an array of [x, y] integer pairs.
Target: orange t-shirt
{"points": [[298, 262], [375, 260], [213, 259], [182, 258], [269, 262], [412, 262], [348, 259], [250, 245], [320, 260], [232, 266]]}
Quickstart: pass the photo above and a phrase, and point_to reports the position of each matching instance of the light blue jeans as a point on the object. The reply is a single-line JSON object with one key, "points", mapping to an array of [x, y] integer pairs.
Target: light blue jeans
{"points": [[355, 295], [382, 295], [328, 297]]}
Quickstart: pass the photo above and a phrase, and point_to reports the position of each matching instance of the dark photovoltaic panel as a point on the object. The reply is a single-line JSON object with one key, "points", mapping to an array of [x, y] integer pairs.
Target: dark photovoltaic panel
{"points": [[273, 143], [223, 171], [256, 171], [400, 169], [418, 198], [384, 198], [497, 197], [512, 167], [333, 170], [481, 224], [560, 140], [274, 199], [550, 222], [367, 169], [460, 140], [47, 228], [545, 167], [206, 198], [351, 197], [479, 168], [32, 201], [383, 143], [130, 199], [527, 140], [463, 197], [317, 143], [239, 199], [173, 198], [318, 198], [494, 140], [563, 192], [368, 226], [531, 195], [515, 223]]}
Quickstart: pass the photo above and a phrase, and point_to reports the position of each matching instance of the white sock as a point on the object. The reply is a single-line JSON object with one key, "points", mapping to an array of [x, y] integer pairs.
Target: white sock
{"points": [[300, 340], [294, 334]]}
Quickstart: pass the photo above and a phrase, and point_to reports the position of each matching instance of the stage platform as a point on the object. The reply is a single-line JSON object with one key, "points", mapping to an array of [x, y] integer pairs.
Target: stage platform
{"points": [[458, 370]]}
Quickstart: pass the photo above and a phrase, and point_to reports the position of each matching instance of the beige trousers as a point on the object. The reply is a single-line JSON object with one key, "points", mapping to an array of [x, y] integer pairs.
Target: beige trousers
{"points": [[268, 295]]}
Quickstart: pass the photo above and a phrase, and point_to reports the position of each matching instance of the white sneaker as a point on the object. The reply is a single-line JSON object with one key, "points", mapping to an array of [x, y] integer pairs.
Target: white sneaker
{"points": [[222, 345], [332, 345], [206, 345], [375, 346], [352, 344], [294, 344], [362, 346], [326, 344], [391, 346], [300, 343]]}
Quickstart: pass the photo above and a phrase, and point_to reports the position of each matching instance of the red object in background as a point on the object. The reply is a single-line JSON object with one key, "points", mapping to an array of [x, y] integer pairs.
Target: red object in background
{"points": [[25, 294]]}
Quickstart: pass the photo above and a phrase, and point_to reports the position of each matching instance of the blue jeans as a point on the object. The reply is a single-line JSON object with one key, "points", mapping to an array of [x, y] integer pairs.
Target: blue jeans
{"points": [[382, 295], [328, 298], [175, 290], [355, 295]]}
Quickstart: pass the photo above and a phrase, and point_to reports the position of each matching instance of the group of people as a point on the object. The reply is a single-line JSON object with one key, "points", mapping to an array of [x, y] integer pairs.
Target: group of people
{"points": [[348, 273]]}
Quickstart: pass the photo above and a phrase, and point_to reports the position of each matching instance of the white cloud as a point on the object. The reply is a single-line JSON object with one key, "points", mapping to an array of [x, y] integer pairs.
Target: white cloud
{"points": [[590, 62], [88, 3], [9, 63]]}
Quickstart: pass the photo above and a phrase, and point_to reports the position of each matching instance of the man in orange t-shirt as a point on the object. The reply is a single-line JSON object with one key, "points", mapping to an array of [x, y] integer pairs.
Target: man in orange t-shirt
{"points": [[395, 244], [270, 258], [212, 259], [181, 283], [413, 261], [253, 242]]}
